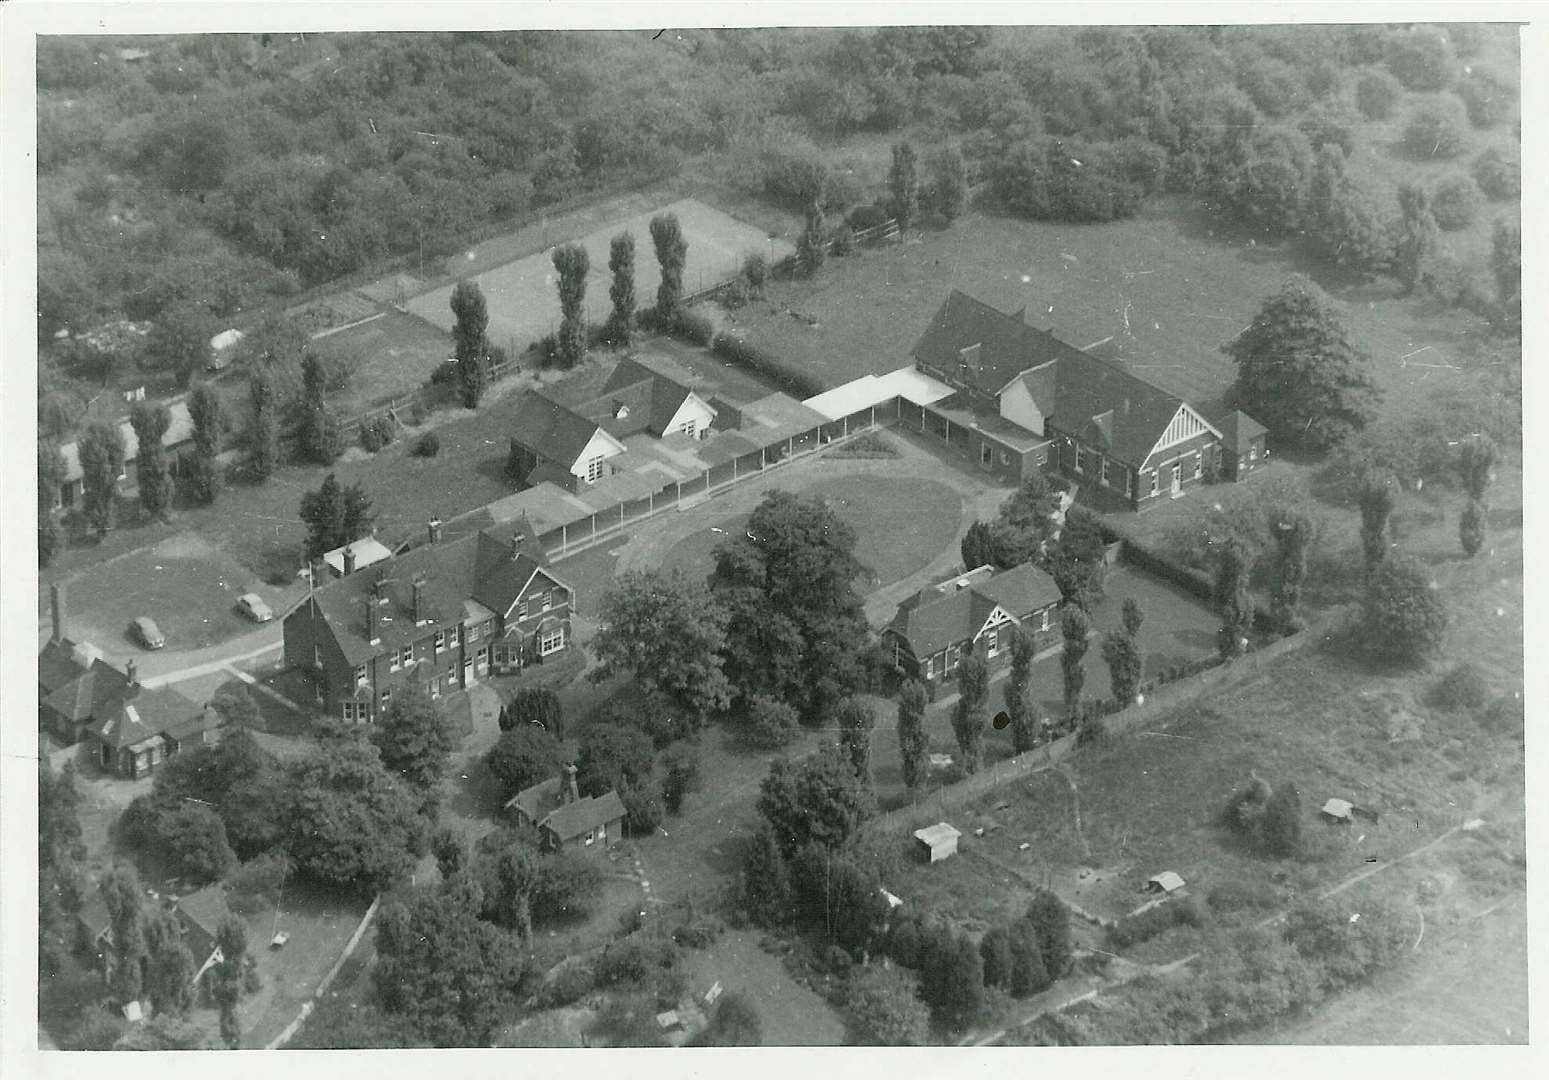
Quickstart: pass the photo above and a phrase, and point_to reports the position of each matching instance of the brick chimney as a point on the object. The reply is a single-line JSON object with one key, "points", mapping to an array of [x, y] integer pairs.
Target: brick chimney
{"points": [[56, 601], [516, 544], [417, 610], [349, 560], [371, 630], [131, 674], [568, 792], [433, 528]]}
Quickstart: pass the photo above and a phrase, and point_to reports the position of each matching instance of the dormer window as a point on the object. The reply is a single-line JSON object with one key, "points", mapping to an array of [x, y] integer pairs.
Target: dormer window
{"points": [[594, 470], [621, 412]]}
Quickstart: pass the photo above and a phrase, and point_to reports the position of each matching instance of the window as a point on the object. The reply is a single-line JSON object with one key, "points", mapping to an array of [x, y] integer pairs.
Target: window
{"points": [[545, 598], [406, 655], [521, 610], [984, 453], [360, 675], [602, 831], [1129, 483], [440, 640], [594, 470], [591, 834], [317, 657], [993, 643], [454, 637], [1005, 457], [392, 661], [451, 671], [1078, 460], [1044, 623], [1198, 459], [1253, 453], [1105, 472], [1043, 456], [1154, 479], [552, 643], [387, 695], [688, 429]]}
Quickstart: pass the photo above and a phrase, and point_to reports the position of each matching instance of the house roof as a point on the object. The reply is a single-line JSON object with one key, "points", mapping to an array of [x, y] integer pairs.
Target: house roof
{"points": [[93, 694], [551, 430], [1007, 346], [536, 801], [487, 567], [368, 551], [1107, 406], [945, 614], [206, 909], [57, 666], [940, 833], [1238, 430], [180, 429], [658, 395], [574, 818], [1167, 881], [141, 714]]}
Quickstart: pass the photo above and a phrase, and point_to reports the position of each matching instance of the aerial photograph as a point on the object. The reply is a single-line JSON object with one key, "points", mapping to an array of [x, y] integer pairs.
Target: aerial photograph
{"points": [[880, 535]]}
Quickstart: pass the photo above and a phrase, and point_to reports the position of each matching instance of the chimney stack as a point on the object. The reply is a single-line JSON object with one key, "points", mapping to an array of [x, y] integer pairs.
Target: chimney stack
{"points": [[131, 674], [56, 600], [371, 632], [568, 790], [349, 560], [516, 543], [418, 608], [433, 527]]}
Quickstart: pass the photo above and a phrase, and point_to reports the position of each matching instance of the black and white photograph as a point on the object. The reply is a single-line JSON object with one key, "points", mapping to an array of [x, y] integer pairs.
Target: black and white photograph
{"points": [[856, 530]]}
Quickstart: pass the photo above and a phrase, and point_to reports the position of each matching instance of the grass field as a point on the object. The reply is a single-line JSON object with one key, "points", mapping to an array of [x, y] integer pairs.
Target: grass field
{"points": [[387, 357], [523, 302], [791, 1014]]}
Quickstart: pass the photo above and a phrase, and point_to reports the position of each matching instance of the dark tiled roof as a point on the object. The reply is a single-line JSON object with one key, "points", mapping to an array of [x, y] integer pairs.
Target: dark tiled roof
{"points": [[1007, 345], [1238, 430], [206, 909], [535, 802], [551, 430], [57, 666], [575, 818], [1107, 405], [93, 694], [655, 395], [940, 616], [141, 714]]}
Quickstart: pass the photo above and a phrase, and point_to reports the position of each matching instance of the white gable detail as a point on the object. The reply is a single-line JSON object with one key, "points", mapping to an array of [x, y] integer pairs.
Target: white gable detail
{"points": [[1185, 425], [601, 445], [996, 618], [694, 408]]}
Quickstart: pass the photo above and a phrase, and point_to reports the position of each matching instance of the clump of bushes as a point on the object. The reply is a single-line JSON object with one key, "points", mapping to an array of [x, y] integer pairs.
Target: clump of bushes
{"points": [[1376, 93], [792, 380], [376, 432], [190, 836], [569, 985], [1421, 58], [1461, 690], [1243, 895], [867, 217], [1437, 129], [427, 445], [1147, 924], [844, 241], [637, 957], [685, 324], [1498, 173], [1455, 203], [1267, 818], [1488, 99]]}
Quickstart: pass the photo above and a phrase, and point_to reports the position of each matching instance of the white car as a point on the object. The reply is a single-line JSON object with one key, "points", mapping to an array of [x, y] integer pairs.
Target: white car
{"points": [[252, 605]]}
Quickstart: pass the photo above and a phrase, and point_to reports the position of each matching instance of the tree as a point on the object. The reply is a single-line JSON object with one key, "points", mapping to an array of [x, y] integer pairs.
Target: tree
{"points": [[1418, 236], [566, 885], [534, 705], [1476, 462], [1018, 708], [681, 764], [885, 1007], [51, 476], [1074, 628], [263, 436], [1471, 527], [335, 515], [840, 896], [855, 720], [812, 244], [621, 264], [766, 882], [668, 632], [1281, 828], [101, 451], [904, 184], [572, 264], [913, 743], [1076, 562], [817, 800], [995, 952], [1132, 616], [470, 346], [1234, 568], [204, 408], [169, 1031], [671, 254], [1292, 533], [1376, 92], [352, 824], [755, 271], [226, 978], [949, 183], [1506, 267], [121, 895], [1375, 498], [317, 427], [1298, 372], [414, 738], [190, 836], [1126, 666], [952, 977], [150, 421], [973, 688], [736, 1023], [450, 975], [169, 969], [1028, 975], [179, 340], [771, 723], [613, 758], [1405, 618], [1048, 921], [978, 547]]}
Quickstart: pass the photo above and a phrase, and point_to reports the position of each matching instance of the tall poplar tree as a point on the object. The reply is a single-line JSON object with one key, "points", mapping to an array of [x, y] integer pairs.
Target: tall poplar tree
{"points": [[621, 264]]}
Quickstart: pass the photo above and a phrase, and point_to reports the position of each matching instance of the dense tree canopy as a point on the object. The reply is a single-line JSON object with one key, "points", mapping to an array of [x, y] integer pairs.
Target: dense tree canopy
{"points": [[335, 514], [668, 632], [816, 800]]}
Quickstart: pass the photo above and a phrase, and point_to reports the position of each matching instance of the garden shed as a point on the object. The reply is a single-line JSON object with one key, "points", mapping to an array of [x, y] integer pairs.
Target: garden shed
{"points": [[937, 841], [1166, 882], [1338, 810]]}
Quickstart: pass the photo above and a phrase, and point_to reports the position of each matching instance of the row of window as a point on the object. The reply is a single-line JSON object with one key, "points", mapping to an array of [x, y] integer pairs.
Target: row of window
{"points": [[945, 662]]}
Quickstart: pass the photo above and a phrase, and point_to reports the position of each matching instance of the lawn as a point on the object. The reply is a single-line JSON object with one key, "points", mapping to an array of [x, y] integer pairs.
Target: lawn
{"points": [[386, 357], [791, 1014]]}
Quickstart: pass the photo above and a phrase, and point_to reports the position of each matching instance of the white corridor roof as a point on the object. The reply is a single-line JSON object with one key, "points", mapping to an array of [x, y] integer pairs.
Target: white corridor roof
{"points": [[907, 382]]}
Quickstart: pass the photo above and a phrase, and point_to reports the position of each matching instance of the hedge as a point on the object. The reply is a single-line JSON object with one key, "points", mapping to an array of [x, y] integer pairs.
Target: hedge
{"points": [[1144, 925], [786, 377]]}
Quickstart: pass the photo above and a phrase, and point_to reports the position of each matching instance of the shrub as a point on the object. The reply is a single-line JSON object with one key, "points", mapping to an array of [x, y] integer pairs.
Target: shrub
{"points": [[1144, 925], [427, 445], [255, 885], [445, 374], [1499, 173], [1376, 93], [376, 432], [636, 957], [844, 241], [1241, 895], [1461, 689], [189, 835], [700, 933], [1488, 99], [1404, 618], [573, 982], [1455, 203], [1437, 129], [771, 723], [867, 217], [1420, 58], [885, 1007], [692, 327], [792, 380], [794, 178]]}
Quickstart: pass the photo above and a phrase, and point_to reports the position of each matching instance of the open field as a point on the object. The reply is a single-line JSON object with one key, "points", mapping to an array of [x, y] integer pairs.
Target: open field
{"points": [[387, 357], [791, 1014], [523, 302]]}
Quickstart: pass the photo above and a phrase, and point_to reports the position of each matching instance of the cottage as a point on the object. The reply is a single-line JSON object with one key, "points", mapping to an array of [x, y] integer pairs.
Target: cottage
{"points": [[445, 615], [1025, 400], [140, 728], [200, 916], [1165, 883], [564, 819], [178, 436], [937, 841], [972, 614]]}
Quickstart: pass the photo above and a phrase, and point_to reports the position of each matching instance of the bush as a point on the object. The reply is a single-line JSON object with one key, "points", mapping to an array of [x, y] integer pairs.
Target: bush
{"points": [[1455, 203], [1242, 895], [1144, 925], [189, 835], [377, 432], [1404, 618], [1462, 689], [867, 217], [636, 957], [790, 379], [1376, 93], [795, 179], [1437, 129], [700, 933], [1487, 98], [1499, 173], [844, 241], [255, 886], [573, 982], [427, 445], [1420, 58]]}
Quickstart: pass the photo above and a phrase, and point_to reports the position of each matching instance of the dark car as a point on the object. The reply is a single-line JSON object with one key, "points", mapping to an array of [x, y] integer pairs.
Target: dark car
{"points": [[147, 633]]}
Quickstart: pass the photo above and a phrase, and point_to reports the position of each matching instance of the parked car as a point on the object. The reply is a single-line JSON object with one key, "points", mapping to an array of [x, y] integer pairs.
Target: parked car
{"points": [[252, 605], [145, 631]]}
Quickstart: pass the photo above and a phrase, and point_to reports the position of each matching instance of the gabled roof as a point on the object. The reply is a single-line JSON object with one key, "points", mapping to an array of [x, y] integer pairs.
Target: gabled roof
{"points": [[653, 398], [945, 614], [141, 714], [583, 815], [1102, 402], [368, 551], [1238, 430], [205, 909], [58, 666], [551, 430], [94, 694], [1007, 346], [537, 801]]}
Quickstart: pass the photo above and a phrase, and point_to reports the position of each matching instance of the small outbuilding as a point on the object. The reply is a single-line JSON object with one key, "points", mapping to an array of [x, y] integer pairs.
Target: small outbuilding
{"points": [[941, 761], [1165, 883], [937, 841], [1340, 811]]}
